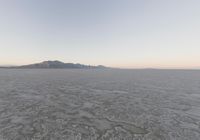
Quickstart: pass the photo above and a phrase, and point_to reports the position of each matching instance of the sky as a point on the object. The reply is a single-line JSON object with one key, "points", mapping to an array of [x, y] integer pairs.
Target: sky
{"points": [[115, 33]]}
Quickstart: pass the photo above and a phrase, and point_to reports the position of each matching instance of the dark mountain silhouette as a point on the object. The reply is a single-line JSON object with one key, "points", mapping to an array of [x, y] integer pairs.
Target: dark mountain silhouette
{"points": [[58, 64]]}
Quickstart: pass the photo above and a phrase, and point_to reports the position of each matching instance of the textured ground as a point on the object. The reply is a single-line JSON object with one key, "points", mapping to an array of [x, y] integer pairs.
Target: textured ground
{"points": [[99, 105]]}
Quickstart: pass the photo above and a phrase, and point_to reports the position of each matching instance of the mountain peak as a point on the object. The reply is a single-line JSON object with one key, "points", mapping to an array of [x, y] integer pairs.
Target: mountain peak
{"points": [[50, 61], [58, 64]]}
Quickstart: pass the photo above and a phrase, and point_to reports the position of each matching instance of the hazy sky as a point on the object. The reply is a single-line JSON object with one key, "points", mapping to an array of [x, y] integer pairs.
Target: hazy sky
{"points": [[117, 33]]}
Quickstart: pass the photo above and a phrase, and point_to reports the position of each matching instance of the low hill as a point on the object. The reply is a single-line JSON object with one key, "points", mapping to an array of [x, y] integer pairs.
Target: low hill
{"points": [[58, 64]]}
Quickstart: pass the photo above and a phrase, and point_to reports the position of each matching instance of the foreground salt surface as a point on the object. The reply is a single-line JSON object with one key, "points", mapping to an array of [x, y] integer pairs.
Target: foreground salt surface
{"points": [[99, 104]]}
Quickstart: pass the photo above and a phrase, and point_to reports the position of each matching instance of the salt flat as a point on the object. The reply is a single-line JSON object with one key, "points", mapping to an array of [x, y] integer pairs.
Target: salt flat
{"points": [[62, 104]]}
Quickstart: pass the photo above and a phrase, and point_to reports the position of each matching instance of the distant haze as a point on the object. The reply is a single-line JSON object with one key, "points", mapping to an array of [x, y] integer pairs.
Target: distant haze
{"points": [[115, 33]]}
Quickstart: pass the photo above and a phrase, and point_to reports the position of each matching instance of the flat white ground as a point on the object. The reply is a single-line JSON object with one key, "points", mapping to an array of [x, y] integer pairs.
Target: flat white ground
{"points": [[99, 104]]}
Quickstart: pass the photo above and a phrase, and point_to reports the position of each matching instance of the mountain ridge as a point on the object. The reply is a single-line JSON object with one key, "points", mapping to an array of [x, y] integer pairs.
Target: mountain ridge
{"points": [[56, 65]]}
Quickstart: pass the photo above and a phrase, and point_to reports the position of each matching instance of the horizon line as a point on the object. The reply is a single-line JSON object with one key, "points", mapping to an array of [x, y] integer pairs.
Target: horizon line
{"points": [[114, 67]]}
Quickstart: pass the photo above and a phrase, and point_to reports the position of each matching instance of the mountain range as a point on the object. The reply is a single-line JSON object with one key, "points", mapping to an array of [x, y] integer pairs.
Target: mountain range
{"points": [[56, 65]]}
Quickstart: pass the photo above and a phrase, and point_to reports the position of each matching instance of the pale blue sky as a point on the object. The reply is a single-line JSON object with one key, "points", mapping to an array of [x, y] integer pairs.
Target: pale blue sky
{"points": [[116, 33]]}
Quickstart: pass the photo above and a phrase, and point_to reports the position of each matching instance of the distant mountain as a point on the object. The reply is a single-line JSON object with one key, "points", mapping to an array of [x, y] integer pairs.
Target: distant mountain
{"points": [[58, 65]]}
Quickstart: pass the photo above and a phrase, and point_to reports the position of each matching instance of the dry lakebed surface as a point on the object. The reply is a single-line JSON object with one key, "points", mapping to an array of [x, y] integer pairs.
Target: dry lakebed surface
{"points": [[99, 104]]}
